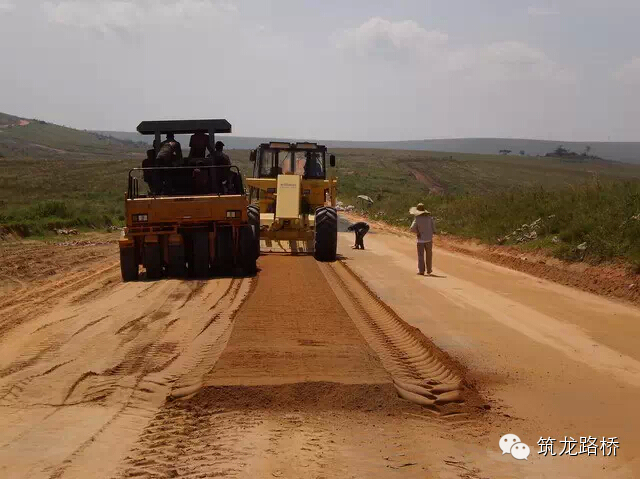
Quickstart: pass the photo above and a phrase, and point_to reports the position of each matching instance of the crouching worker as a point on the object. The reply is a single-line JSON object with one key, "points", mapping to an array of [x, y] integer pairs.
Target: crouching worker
{"points": [[360, 229], [424, 228]]}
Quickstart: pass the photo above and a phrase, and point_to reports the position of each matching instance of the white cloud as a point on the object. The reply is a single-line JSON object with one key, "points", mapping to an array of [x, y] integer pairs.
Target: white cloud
{"points": [[629, 73], [122, 15], [380, 37], [445, 87], [6, 7], [431, 53], [541, 11], [511, 59]]}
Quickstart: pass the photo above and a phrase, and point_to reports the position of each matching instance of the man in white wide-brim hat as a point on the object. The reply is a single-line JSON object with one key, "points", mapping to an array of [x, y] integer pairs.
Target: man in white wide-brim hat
{"points": [[424, 227]]}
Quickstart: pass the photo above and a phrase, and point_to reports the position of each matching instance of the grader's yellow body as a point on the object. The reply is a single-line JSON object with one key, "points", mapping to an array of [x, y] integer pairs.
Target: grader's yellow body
{"points": [[293, 197]]}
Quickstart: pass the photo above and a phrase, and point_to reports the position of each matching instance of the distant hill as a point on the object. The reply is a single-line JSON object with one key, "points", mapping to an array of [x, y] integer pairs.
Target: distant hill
{"points": [[6, 120], [30, 138], [628, 152], [21, 137]]}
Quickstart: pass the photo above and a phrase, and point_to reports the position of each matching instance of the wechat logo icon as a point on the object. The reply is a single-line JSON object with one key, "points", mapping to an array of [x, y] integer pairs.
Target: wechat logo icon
{"points": [[511, 444]]}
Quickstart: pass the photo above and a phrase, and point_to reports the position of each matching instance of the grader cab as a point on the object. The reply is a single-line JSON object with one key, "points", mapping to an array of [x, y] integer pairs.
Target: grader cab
{"points": [[186, 219], [293, 195]]}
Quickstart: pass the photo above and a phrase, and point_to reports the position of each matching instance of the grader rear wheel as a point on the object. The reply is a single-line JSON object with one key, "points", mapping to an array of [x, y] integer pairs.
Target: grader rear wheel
{"points": [[326, 235], [253, 213]]}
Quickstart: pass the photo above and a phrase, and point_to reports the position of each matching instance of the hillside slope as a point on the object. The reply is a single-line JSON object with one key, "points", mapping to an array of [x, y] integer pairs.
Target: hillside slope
{"points": [[25, 138]]}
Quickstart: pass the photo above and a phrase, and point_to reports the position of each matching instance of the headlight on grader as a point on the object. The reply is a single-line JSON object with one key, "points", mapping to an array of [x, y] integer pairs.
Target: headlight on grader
{"points": [[234, 214], [140, 218]]}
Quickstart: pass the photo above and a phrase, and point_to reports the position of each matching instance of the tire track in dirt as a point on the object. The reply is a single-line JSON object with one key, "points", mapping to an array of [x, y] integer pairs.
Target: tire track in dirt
{"points": [[421, 373], [57, 288], [99, 369], [295, 351], [184, 368], [17, 310], [191, 436], [88, 325]]}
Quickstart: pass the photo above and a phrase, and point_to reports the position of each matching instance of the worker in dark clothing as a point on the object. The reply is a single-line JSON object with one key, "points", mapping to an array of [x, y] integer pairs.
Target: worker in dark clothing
{"points": [[170, 153], [360, 229], [201, 181], [150, 176], [313, 165], [199, 144], [219, 157], [223, 180]]}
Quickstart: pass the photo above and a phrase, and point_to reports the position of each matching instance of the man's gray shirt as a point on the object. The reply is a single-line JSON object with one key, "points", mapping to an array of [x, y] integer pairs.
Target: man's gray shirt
{"points": [[424, 226]]}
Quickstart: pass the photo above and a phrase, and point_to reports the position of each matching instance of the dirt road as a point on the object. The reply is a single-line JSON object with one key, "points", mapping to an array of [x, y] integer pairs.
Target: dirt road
{"points": [[303, 372], [558, 361]]}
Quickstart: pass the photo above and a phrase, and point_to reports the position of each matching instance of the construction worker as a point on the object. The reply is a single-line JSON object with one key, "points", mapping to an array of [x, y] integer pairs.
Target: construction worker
{"points": [[222, 175], [200, 178], [170, 153], [219, 157], [313, 165], [199, 144], [424, 227], [150, 176], [360, 229]]}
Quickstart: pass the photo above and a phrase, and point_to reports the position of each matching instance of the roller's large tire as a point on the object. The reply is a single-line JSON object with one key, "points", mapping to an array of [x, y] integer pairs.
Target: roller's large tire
{"points": [[224, 251], [326, 235], [153, 260], [177, 266], [253, 212], [128, 264], [200, 253], [247, 254]]}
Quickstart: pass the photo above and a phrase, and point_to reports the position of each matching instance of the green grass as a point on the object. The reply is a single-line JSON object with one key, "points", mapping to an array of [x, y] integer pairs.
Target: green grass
{"points": [[487, 197], [473, 196], [37, 196]]}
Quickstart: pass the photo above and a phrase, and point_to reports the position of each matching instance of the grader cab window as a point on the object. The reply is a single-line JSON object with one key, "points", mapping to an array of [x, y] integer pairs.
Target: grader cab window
{"points": [[284, 161], [268, 165], [274, 163], [310, 164], [306, 163]]}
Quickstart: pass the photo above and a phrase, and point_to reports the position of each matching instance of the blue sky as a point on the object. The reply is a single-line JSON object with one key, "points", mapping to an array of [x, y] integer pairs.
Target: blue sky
{"points": [[362, 70]]}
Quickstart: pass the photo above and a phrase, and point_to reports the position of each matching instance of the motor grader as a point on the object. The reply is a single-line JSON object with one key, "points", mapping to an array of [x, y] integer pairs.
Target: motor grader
{"points": [[293, 196], [192, 220]]}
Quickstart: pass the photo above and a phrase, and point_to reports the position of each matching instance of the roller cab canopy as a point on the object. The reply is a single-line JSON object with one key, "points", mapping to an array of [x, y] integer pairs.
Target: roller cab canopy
{"points": [[184, 127]]}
